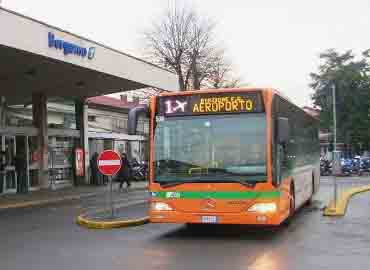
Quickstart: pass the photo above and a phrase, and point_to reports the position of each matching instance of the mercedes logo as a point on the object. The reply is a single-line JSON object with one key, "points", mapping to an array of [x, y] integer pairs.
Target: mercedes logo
{"points": [[208, 204]]}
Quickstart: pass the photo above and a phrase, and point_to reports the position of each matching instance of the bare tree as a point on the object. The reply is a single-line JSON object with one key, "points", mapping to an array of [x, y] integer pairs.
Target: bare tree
{"points": [[144, 94], [201, 50], [220, 74], [184, 43], [168, 42]]}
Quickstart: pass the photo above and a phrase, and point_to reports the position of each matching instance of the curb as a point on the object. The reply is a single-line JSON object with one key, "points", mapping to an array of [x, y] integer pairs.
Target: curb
{"points": [[54, 200], [44, 202], [98, 224], [93, 224], [343, 200]]}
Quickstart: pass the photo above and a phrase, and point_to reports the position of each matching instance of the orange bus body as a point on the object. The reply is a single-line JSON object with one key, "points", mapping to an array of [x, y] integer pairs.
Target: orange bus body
{"points": [[229, 202]]}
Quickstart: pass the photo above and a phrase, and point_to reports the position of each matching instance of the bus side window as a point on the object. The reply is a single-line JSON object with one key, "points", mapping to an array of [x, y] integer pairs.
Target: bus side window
{"points": [[284, 152], [283, 157]]}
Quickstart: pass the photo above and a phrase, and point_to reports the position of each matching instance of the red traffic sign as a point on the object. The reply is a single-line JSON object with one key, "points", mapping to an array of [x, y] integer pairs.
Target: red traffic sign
{"points": [[109, 162]]}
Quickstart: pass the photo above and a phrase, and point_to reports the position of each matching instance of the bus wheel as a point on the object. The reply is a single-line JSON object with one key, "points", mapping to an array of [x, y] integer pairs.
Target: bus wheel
{"points": [[292, 201], [291, 206], [309, 202]]}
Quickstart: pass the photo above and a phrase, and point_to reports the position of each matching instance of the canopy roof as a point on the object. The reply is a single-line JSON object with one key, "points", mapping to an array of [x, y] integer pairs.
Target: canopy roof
{"points": [[36, 57]]}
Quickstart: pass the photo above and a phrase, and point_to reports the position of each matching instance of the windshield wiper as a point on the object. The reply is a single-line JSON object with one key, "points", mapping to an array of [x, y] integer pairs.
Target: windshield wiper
{"points": [[176, 183], [228, 172], [244, 183], [172, 184]]}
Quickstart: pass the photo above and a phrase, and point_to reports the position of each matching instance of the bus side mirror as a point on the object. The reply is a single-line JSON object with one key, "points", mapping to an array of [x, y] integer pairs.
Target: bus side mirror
{"points": [[283, 130], [133, 116]]}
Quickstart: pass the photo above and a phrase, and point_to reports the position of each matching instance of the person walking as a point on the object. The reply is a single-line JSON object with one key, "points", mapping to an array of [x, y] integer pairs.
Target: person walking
{"points": [[2, 170], [124, 173], [20, 164], [96, 178]]}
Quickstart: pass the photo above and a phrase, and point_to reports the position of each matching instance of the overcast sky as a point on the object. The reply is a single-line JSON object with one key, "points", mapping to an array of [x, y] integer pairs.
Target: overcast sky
{"points": [[271, 43]]}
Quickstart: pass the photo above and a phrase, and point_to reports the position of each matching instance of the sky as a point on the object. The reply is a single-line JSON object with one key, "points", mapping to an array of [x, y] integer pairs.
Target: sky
{"points": [[270, 43]]}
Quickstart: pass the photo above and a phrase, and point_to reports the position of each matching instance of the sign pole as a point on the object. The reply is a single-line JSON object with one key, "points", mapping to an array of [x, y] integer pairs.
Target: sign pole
{"points": [[111, 197], [336, 156], [109, 164]]}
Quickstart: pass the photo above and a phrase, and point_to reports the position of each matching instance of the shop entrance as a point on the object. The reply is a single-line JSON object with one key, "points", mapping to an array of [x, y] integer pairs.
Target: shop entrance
{"points": [[19, 168], [21, 163], [8, 145]]}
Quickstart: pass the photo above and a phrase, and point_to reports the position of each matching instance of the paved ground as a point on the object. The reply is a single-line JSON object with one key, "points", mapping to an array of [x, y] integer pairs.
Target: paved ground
{"points": [[81, 192], [47, 238]]}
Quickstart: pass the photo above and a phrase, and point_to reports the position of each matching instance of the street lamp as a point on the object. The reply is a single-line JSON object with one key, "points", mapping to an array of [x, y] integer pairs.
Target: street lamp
{"points": [[335, 152]]}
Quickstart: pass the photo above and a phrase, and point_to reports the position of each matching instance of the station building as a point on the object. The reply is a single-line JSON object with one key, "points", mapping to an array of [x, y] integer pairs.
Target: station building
{"points": [[41, 67]]}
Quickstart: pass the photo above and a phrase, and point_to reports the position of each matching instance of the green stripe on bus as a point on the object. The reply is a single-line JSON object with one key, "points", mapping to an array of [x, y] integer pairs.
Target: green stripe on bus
{"points": [[217, 194]]}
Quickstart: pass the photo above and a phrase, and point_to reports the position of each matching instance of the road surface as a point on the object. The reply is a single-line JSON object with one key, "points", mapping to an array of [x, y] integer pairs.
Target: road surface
{"points": [[43, 238]]}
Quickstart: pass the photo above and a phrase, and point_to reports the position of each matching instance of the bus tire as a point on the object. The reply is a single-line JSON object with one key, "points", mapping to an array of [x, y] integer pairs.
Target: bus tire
{"points": [[292, 203], [309, 202]]}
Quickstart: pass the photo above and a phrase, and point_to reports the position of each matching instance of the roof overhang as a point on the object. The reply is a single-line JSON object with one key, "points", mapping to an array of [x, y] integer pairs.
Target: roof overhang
{"points": [[36, 57]]}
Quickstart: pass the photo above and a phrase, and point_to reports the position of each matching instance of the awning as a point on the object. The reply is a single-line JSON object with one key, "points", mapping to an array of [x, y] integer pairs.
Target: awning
{"points": [[115, 136], [36, 57]]}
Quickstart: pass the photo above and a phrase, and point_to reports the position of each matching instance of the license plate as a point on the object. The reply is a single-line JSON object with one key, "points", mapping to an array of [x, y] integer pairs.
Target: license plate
{"points": [[209, 219]]}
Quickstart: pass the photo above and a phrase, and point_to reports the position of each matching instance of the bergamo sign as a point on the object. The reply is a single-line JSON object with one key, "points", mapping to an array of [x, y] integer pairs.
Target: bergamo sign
{"points": [[109, 162]]}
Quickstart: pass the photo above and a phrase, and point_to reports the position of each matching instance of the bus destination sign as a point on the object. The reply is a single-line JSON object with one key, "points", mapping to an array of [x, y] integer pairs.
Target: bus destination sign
{"points": [[214, 103]]}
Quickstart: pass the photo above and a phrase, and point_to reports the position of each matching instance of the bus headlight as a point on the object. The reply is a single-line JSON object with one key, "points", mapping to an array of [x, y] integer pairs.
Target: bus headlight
{"points": [[160, 206], [263, 208]]}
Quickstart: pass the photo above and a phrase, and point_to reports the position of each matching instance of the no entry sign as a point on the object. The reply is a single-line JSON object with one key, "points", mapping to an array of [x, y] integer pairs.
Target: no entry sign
{"points": [[109, 162]]}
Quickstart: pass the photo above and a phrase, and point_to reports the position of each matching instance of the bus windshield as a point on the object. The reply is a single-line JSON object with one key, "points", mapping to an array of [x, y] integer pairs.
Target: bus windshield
{"points": [[213, 148]]}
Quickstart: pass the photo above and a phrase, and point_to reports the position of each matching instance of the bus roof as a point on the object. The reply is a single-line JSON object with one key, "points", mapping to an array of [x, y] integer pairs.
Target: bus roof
{"points": [[226, 90], [231, 90], [219, 90]]}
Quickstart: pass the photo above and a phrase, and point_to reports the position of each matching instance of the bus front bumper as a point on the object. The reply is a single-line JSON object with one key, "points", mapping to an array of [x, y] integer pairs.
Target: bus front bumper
{"points": [[251, 218]]}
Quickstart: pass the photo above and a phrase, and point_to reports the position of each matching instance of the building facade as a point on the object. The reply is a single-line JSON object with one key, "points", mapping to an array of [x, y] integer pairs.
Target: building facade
{"points": [[42, 66], [107, 129]]}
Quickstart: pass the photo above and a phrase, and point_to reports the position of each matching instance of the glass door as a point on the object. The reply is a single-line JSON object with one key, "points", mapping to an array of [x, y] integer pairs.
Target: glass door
{"points": [[22, 169], [2, 160], [33, 164], [9, 147]]}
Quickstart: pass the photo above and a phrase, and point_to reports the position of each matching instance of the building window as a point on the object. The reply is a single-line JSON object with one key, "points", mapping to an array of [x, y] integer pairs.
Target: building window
{"points": [[91, 118], [146, 128], [120, 124], [140, 126]]}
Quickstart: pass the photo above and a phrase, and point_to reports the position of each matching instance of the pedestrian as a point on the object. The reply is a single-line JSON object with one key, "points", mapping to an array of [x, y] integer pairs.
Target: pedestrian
{"points": [[20, 164], [95, 178], [2, 161], [124, 173], [2, 170]]}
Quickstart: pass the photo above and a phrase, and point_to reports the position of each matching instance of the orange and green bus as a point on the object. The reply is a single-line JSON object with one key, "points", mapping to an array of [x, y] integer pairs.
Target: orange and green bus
{"points": [[229, 156]]}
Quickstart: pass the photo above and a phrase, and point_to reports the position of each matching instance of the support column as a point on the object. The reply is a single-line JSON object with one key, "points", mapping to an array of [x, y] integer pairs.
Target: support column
{"points": [[81, 111], [40, 121], [2, 125], [2, 111]]}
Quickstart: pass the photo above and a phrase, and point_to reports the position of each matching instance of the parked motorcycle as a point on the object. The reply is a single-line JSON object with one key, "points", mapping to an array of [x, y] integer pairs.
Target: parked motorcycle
{"points": [[347, 166], [138, 170], [364, 166], [325, 167]]}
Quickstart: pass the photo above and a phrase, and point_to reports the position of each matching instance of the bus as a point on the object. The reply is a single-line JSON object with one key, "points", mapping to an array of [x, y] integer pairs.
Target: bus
{"points": [[229, 156]]}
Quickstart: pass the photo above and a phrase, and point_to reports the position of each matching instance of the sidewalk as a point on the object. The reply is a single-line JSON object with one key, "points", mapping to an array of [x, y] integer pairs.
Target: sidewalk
{"points": [[42, 197]]}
